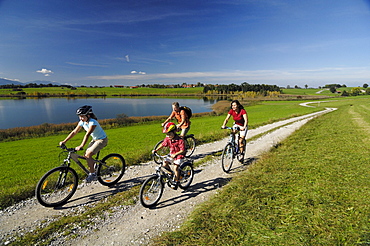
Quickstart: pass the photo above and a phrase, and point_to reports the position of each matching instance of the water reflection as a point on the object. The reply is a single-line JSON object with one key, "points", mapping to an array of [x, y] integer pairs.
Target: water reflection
{"points": [[29, 112]]}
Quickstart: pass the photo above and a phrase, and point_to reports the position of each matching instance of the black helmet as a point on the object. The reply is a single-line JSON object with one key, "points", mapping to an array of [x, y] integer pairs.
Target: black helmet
{"points": [[84, 110]]}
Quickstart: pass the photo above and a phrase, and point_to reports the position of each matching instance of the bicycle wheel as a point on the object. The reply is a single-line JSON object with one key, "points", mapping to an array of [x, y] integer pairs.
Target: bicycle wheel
{"points": [[190, 145], [227, 157], [151, 191], [186, 175], [57, 186], [161, 152], [111, 170]]}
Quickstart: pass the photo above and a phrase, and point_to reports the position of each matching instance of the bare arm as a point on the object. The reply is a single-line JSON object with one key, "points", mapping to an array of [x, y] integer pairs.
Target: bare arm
{"points": [[86, 137], [226, 120], [71, 135], [245, 117], [158, 148], [169, 118]]}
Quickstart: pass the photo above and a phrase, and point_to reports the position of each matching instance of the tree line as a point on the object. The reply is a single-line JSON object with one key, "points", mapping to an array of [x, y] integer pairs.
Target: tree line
{"points": [[244, 87]]}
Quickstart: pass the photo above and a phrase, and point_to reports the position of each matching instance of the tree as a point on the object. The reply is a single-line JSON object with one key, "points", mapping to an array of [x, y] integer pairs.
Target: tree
{"points": [[333, 89], [365, 86], [356, 91]]}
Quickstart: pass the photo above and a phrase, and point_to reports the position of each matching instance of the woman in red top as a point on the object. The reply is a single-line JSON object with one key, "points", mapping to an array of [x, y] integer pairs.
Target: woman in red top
{"points": [[240, 117]]}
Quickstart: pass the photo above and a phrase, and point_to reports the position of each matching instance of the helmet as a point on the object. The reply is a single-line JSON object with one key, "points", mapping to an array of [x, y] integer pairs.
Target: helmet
{"points": [[84, 110], [170, 126]]}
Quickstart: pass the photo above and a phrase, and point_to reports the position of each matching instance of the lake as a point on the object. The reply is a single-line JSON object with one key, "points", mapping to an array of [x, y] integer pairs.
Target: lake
{"points": [[30, 112]]}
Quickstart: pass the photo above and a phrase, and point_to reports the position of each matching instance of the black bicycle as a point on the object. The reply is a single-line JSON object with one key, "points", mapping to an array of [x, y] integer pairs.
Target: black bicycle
{"points": [[152, 188], [190, 144], [232, 150], [59, 184]]}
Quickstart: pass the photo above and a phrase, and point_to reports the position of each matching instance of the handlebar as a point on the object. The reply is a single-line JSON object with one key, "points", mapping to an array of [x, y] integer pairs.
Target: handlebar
{"points": [[227, 128], [64, 147], [230, 128], [160, 156]]}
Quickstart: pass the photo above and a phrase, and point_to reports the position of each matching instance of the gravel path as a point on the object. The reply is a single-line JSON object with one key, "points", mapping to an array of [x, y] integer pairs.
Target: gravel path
{"points": [[135, 225]]}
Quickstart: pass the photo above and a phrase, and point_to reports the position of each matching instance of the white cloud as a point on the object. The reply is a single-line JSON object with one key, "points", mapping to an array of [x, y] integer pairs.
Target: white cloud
{"points": [[127, 58], [134, 72], [11, 79], [45, 71]]}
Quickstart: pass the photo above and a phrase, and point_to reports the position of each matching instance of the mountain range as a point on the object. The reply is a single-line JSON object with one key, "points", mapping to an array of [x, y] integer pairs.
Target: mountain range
{"points": [[9, 82]]}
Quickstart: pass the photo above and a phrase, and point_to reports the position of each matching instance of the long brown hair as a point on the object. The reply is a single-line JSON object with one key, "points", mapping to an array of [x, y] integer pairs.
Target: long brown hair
{"points": [[237, 103], [92, 115]]}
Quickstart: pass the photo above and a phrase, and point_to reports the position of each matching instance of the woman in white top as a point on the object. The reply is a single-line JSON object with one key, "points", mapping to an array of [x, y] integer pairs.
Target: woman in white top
{"points": [[89, 122]]}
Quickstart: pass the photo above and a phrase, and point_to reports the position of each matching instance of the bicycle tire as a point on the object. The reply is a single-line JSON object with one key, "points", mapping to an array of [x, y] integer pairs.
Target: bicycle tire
{"points": [[151, 191], [163, 151], [227, 157], [186, 175], [190, 145], [112, 170], [57, 186]]}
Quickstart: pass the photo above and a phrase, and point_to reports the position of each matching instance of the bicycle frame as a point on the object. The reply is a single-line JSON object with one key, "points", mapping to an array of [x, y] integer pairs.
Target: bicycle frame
{"points": [[75, 157], [163, 173], [234, 139]]}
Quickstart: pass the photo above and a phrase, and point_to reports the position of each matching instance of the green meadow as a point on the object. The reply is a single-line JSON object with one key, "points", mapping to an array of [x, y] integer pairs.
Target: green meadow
{"points": [[25, 161], [316, 92], [312, 189]]}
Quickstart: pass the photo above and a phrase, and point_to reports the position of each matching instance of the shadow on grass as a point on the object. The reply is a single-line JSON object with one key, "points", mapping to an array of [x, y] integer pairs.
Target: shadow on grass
{"points": [[244, 165]]}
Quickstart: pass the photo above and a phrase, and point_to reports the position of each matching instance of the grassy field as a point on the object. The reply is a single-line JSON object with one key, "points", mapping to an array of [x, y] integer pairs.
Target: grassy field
{"points": [[316, 92], [314, 189], [25, 161]]}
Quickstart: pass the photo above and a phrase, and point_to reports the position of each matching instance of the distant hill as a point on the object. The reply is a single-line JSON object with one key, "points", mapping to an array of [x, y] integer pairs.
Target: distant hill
{"points": [[9, 82]]}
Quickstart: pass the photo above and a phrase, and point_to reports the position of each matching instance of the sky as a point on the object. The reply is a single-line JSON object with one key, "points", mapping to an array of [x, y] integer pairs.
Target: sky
{"points": [[134, 42]]}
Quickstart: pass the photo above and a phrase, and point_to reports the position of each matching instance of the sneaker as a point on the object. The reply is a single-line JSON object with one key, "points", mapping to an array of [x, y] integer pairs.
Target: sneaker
{"points": [[241, 157], [91, 177], [175, 185]]}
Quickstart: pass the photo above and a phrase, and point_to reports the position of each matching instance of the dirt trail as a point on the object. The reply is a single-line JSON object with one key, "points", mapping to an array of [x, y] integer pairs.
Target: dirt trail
{"points": [[134, 225]]}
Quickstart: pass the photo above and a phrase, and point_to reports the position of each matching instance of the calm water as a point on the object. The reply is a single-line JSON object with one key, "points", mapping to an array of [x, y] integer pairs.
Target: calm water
{"points": [[30, 112]]}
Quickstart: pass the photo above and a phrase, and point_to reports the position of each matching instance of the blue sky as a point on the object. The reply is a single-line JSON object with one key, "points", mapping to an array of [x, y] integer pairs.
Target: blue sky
{"points": [[115, 42]]}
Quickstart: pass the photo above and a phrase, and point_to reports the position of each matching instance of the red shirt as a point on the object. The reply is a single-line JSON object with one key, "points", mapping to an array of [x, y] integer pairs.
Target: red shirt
{"points": [[176, 144], [238, 117]]}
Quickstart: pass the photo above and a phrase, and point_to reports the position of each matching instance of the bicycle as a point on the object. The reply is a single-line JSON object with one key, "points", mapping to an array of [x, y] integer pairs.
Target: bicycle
{"points": [[59, 184], [190, 144], [232, 150], [152, 189]]}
